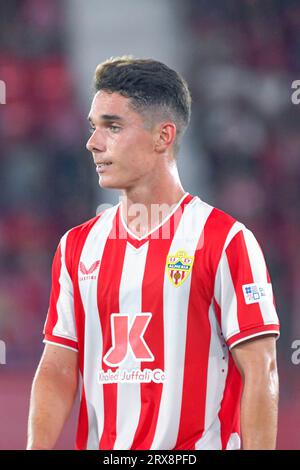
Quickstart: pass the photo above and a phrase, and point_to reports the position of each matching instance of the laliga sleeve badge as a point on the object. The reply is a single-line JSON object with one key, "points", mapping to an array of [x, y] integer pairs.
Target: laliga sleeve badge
{"points": [[257, 292]]}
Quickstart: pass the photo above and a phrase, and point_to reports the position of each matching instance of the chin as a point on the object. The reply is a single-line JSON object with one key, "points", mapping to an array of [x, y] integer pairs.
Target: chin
{"points": [[108, 183]]}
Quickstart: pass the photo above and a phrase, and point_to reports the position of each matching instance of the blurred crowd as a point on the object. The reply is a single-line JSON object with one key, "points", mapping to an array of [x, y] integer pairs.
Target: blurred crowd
{"points": [[243, 59], [44, 166]]}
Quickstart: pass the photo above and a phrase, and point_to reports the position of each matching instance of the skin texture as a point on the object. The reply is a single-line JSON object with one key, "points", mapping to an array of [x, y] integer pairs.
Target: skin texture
{"points": [[143, 166], [143, 163], [256, 361], [52, 396]]}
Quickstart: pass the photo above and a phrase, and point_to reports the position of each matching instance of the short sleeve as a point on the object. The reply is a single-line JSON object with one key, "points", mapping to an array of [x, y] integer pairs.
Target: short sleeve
{"points": [[243, 294], [60, 322]]}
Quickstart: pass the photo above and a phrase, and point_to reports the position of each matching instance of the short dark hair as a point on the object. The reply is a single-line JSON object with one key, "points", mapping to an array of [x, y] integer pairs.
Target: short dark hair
{"points": [[151, 86]]}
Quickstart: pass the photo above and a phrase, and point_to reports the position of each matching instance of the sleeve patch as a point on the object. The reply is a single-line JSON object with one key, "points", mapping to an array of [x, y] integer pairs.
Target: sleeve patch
{"points": [[257, 292]]}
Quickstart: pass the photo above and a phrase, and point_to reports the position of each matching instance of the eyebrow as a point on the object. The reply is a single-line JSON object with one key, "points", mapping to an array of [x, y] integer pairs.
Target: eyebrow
{"points": [[108, 118]]}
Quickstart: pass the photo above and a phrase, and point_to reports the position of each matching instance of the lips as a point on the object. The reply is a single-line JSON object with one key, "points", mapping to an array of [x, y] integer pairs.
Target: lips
{"points": [[103, 163], [101, 166]]}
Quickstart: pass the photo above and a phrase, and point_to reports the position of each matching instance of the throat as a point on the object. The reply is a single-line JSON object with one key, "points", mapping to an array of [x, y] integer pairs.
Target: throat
{"points": [[140, 220]]}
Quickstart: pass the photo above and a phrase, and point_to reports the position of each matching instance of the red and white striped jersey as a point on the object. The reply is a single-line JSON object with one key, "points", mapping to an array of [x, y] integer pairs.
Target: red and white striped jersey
{"points": [[153, 320]]}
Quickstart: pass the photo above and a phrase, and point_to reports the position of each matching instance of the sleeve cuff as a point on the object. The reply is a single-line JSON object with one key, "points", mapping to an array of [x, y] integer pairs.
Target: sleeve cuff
{"points": [[60, 341], [252, 333]]}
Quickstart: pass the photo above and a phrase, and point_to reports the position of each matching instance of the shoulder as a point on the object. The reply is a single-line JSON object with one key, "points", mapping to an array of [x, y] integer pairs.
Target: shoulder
{"points": [[219, 231], [218, 224], [76, 235]]}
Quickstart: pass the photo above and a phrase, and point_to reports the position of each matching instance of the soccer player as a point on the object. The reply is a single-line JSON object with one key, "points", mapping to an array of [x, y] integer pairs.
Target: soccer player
{"points": [[162, 305]]}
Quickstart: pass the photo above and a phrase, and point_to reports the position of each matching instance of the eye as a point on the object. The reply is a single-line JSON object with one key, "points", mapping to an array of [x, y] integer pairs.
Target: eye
{"points": [[91, 129], [114, 129]]}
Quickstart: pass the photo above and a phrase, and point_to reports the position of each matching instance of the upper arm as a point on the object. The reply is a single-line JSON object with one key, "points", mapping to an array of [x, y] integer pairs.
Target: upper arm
{"points": [[59, 361], [60, 325], [255, 357]]}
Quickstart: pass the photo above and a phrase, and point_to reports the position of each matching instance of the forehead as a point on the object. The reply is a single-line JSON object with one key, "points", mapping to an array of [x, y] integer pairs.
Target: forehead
{"points": [[110, 104]]}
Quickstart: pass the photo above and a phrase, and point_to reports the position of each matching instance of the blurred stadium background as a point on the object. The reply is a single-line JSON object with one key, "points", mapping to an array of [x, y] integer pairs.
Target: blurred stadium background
{"points": [[242, 152]]}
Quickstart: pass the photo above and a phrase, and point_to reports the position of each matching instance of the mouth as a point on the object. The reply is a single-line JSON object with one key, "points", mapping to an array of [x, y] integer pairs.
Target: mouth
{"points": [[101, 167]]}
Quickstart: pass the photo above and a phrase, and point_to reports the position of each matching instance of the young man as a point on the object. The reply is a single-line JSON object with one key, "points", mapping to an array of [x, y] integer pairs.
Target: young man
{"points": [[162, 304]]}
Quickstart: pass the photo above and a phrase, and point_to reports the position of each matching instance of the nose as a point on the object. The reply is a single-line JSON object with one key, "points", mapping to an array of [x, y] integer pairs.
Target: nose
{"points": [[96, 142]]}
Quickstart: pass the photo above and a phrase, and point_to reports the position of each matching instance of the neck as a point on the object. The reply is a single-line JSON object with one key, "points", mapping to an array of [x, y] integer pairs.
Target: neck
{"points": [[145, 206]]}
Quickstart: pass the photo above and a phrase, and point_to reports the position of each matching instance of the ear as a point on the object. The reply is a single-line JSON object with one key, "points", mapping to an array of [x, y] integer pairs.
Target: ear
{"points": [[165, 136]]}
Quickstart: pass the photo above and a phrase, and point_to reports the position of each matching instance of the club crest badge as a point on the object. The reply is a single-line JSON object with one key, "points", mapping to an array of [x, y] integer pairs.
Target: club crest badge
{"points": [[179, 267]]}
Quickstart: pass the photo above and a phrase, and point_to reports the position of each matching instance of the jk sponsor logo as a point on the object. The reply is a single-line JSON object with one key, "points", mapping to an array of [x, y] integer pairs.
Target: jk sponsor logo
{"points": [[128, 342], [128, 339]]}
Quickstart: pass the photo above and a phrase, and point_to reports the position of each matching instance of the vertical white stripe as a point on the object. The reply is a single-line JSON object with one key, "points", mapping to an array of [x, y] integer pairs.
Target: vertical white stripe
{"points": [[234, 442], [236, 227], [216, 379], [176, 300], [259, 272], [93, 344], [224, 292], [226, 298], [65, 325], [130, 300]]}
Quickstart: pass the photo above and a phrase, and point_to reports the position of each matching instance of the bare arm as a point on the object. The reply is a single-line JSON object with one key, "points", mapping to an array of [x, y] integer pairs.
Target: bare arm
{"points": [[52, 396], [256, 361]]}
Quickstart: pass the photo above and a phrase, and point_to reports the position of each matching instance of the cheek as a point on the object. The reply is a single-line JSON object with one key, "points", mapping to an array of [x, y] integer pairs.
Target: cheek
{"points": [[134, 152], [140, 162], [140, 151]]}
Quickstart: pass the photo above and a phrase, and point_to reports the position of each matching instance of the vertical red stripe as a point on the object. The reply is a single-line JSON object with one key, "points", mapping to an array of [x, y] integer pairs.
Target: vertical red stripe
{"points": [[241, 273], [52, 315], [75, 241], [108, 302], [207, 256], [196, 358], [82, 428], [229, 413], [152, 301]]}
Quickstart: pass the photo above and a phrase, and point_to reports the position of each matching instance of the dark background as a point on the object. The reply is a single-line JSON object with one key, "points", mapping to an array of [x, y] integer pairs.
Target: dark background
{"points": [[241, 154]]}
